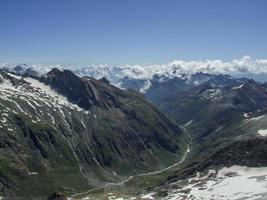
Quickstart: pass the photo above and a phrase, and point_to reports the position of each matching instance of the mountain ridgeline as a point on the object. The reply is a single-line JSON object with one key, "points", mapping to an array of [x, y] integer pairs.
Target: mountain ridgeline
{"points": [[226, 118], [211, 107], [69, 133], [63, 132]]}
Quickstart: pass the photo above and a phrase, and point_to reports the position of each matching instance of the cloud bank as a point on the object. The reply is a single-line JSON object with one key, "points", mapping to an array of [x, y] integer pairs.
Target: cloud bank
{"points": [[245, 66]]}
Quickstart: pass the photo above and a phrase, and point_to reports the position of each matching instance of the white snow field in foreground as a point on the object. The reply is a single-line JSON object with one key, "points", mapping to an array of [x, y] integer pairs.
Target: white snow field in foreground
{"points": [[263, 132], [234, 183]]}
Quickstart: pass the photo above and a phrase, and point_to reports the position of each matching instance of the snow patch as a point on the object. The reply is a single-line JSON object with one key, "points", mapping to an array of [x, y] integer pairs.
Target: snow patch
{"points": [[33, 173], [262, 132], [148, 196], [238, 87], [212, 94], [236, 182], [254, 118], [189, 122], [14, 76], [246, 115]]}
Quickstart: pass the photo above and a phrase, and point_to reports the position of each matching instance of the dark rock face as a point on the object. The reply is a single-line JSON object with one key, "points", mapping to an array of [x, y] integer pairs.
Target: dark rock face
{"points": [[84, 92], [24, 70], [104, 80], [71, 86], [31, 72], [264, 85], [18, 69], [160, 90], [57, 196], [248, 152]]}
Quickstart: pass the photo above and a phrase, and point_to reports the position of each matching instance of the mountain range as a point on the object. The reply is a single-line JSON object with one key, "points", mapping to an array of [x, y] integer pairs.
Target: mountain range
{"points": [[93, 134], [62, 126]]}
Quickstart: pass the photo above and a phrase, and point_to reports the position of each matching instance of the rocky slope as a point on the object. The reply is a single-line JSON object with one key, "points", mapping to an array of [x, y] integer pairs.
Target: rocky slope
{"points": [[62, 132], [226, 118], [228, 126], [210, 106]]}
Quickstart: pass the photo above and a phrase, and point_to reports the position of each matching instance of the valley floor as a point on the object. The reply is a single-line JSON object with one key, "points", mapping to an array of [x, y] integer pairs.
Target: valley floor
{"points": [[90, 194], [233, 183]]}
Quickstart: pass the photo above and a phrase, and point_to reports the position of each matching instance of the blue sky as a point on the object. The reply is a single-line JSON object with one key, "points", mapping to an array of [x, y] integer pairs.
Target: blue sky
{"points": [[131, 31]]}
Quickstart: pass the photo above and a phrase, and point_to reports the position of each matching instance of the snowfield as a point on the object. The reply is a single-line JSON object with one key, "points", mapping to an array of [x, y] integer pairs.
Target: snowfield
{"points": [[233, 183], [35, 95], [263, 132]]}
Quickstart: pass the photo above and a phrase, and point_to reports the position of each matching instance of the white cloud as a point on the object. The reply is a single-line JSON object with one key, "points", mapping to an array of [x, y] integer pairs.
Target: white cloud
{"points": [[242, 66]]}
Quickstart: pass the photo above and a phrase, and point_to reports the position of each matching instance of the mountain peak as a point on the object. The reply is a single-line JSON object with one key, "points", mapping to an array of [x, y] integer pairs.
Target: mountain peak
{"points": [[104, 80], [54, 71], [85, 92], [65, 75]]}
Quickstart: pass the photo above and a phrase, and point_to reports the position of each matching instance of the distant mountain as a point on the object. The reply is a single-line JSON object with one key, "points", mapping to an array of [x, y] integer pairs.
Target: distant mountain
{"points": [[212, 109], [226, 118], [124, 75], [237, 95], [65, 132], [22, 70]]}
